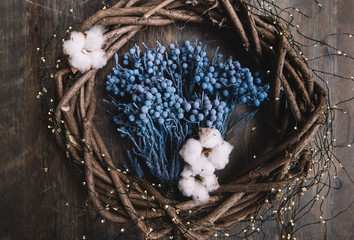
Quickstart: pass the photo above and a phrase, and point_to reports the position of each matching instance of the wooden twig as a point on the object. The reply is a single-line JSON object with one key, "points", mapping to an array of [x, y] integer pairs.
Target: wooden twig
{"points": [[230, 203], [158, 7], [237, 23]]}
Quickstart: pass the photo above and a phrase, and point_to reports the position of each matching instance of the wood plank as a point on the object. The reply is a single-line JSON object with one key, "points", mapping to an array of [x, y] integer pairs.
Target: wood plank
{"points": [[342, 227], [32, 200], [12, 151]]}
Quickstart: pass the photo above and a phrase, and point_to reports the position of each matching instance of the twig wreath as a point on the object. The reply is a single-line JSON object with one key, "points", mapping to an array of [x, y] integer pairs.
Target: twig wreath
{"points": [[141, 202]]}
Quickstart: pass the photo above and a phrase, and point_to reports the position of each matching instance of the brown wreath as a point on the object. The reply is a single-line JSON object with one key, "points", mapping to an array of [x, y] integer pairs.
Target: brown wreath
{"points": [[136, 200]]}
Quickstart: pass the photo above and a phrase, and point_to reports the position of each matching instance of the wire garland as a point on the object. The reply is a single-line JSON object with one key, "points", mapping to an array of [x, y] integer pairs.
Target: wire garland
{"points": [[314, 168]]}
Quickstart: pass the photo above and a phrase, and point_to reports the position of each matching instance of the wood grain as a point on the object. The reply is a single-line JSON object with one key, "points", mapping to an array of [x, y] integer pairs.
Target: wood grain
{"points": [[12, 130], [33, 203]]}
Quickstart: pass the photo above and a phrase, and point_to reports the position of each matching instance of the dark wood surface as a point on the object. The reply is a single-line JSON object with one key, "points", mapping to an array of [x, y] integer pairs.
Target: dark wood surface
{"points": [[33, 203]]}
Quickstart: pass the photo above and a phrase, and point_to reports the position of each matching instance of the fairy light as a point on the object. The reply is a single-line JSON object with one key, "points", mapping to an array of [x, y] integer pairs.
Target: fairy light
{"points": [[292, 203]]}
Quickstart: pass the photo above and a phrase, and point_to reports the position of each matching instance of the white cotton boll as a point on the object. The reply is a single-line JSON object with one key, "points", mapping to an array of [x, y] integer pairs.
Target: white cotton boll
{"points": [[202, 167], [80, 61], [200, 192], [186, 185], [191, 151], [74, 44], [187, 171], [219, 155], [210, 182], [98, 59], [209, 137], [94, 38]]}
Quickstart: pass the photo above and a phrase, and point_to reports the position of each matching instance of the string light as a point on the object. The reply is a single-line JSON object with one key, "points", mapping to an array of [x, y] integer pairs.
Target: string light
{"points": [[190, 212]]}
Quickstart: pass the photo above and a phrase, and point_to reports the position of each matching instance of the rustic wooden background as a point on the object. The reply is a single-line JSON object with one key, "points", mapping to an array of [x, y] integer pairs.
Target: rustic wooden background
{"points": [[32, 204]]}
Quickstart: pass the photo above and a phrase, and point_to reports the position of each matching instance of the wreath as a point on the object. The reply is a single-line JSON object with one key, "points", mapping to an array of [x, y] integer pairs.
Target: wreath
{"points": [[297, 101]]}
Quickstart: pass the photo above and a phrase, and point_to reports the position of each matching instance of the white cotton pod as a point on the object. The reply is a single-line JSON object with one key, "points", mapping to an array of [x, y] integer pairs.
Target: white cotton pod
{"points": [[98, 59], [187, 171], [75, 44], [80, 61], [190, 151], [219, 155], [210, 182], [94, 38], [202, 167], [200, 192], [209, 137], [186, 183]]}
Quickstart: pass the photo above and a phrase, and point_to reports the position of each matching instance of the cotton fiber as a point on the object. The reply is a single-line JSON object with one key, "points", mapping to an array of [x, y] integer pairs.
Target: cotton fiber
{"points": [[85, 50], [201, 158]]}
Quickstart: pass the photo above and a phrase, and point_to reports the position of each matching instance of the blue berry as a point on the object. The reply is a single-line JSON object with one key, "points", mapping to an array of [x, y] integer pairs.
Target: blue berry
{"points": [[200, 117], [192, 118]]}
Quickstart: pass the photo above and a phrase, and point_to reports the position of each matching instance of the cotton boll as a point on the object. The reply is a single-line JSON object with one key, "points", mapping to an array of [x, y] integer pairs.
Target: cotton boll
{"points": [[94, 38], [219, 155], [98, 59], [200, 192], [75, 44], [210, 182], [80, 61], [186, 185], [202, 167], [187, 171], [209, 137], [191, 151]]}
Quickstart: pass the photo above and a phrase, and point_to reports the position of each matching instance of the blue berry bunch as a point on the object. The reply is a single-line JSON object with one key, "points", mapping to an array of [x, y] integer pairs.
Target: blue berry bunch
{"points": [[161, 96]]}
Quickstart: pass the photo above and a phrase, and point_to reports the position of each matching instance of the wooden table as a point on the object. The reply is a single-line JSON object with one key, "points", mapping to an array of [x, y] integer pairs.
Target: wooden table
{"points": [[33, 203]]}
